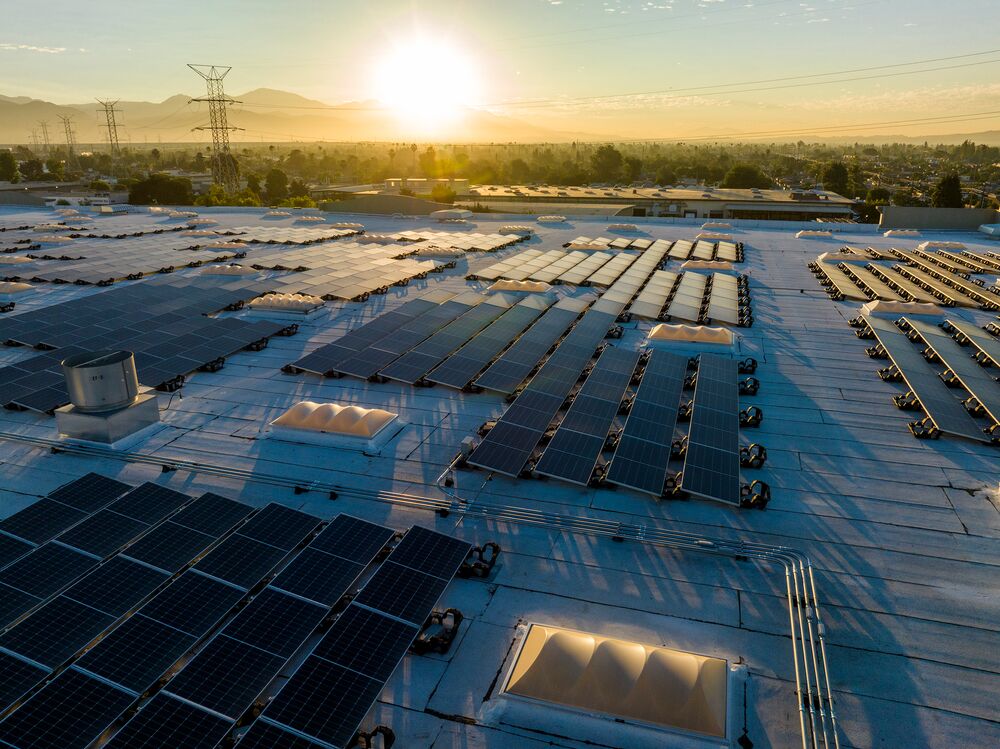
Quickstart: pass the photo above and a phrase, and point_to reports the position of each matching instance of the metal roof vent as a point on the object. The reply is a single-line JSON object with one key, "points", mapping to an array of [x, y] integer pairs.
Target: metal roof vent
{"points": [[101, 381]]}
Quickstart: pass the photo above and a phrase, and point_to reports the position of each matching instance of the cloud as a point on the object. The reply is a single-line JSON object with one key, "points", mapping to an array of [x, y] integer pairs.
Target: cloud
{"points": [[10, 47]]}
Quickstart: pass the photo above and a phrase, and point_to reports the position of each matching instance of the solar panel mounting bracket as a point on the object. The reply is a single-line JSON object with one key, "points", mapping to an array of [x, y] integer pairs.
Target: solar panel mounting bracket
{"points": [[438, 632], [753, 455], [480, 560], [755, 495], [751, 416], [366, 739]]}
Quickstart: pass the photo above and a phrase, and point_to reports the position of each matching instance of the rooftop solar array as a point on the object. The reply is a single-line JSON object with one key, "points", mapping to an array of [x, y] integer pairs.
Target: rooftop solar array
{"points": [[461, 367], [163, 323], [507, 373], [944, 411], [290, 234], [655, 294], [466, 241], [331, 692], [986, 346], [573, 451], [644, 448], [195, 648], [712, 460], [959, 368], [511, 442], [556, 266], [341, 270], [412, 366], [327, 359]]}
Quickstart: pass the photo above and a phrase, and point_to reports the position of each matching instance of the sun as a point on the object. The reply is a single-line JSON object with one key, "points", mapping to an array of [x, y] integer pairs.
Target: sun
{"points": [[426, 82]]}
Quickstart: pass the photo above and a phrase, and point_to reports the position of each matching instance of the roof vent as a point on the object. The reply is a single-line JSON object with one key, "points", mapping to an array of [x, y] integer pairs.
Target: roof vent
{"points": [[101, 381]]}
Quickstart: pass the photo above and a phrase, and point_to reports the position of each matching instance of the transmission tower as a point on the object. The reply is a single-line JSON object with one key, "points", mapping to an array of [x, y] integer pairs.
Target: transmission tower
{"points": [[34, 141], [223, 164], [108, 107], [45, 136], [70, 142]]}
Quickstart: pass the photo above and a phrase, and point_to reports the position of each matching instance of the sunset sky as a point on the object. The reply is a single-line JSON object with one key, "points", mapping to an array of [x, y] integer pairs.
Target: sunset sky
{"points": [[675, 68]]}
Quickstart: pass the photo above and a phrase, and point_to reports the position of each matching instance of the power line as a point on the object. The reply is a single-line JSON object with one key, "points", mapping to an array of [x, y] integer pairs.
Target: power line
{"points": [[707, 90]]}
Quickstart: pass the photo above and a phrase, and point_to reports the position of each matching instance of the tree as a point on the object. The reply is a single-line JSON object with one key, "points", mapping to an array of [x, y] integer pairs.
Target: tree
{"points": [[665, 176], [253, 184], [947, 192], [519, 171], [745, 176], [606, 163], [276, 185], [298, 189], [878, 196], [633, 168], [442, 194], [161, 189], [835, 178], [33, 170], [905, 197], [428, 162], [8, 167], [99, 185]]}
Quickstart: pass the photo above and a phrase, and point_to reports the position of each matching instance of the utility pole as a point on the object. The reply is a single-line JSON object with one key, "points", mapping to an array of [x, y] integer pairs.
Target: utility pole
{"points": [[45, 136], [223, 163], [71, 160], [34, 142]]}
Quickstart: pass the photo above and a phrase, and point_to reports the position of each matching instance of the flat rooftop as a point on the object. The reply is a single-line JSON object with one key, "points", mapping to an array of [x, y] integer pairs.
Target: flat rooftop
{"points": [[608, 194], [903, 534]]}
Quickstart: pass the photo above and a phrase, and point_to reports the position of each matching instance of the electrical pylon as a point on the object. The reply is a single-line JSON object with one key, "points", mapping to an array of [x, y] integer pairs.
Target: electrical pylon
{"points": [[108, 107], [71, 160], [45, 136], [223, 164]]}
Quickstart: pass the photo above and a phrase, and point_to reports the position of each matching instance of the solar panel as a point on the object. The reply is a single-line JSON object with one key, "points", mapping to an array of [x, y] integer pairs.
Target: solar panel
{"points": [[459, 369], [402, 592], [212, 514], [116, 586], [13, 603], [367, 642], [264, 735], [324, 700], [169, 546], [54, 632], [168, 722], [516, 363], [193, 603], [69, 713], [712, 461], [47, 569], [275, 622], [937, 400], [226, 676], [279, 526], [149, 503], [431, 552], [577, 444], [102, 533], [527, 418], [966, 333], [418, 361], [41, 521], [352, 538], [89, 492], [18, 677], [318, 576], [241, 561], [117, 656], [643, 453]]}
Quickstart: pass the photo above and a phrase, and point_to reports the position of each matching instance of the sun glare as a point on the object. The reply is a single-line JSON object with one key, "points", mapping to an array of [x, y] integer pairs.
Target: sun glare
{"points": [[426, 82]]}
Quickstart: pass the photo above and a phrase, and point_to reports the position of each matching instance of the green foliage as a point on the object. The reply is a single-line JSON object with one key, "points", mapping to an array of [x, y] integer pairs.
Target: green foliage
{"points": [[835, 178], [606, 163], [33, 170], [906, 197], [8, 167], [161, 189], [878, 196], [298, 189], [633, 168], [301, 201], [665, 176], [947, 192], [62, 201], [442, 194], [253, 184], [746, 176], [276, 185], [99, 185]]}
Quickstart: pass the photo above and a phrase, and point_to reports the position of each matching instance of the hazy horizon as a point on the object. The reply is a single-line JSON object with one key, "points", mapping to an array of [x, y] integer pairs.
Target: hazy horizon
{"points": [[606, 69]]}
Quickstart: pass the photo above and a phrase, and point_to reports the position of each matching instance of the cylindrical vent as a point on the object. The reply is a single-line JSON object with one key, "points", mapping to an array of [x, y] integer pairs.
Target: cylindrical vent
{"points": [[101, 380]]}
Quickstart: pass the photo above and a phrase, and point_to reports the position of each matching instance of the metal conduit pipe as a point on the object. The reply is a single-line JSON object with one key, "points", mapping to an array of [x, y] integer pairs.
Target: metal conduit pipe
{"points": [[811, 670]]}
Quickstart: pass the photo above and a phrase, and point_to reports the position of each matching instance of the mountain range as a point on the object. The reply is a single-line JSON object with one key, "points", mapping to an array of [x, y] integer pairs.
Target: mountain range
{"points": [[269, 115]]}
